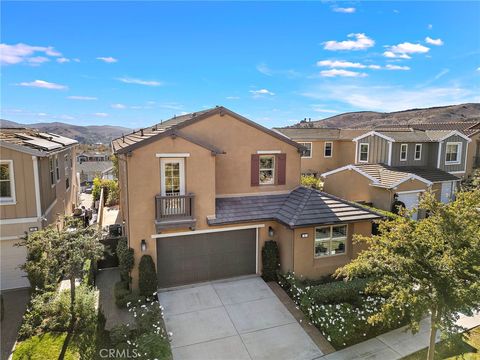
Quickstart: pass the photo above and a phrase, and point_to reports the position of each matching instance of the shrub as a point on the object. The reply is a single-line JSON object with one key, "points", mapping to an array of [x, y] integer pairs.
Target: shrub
{"points": [[119, 334], [311, 182], [113, 193], [147, 279], [270, 260], [126, 259], [154, 346], [339, 292], [88, 273], [110, 191], [120, 292]]}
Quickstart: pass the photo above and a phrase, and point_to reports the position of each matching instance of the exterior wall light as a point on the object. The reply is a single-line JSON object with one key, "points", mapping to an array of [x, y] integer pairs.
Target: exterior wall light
{"points": [[143, 245], [271, 232]]}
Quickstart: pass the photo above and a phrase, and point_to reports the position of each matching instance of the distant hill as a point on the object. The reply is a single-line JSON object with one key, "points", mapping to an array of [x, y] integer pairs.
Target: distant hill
{"points": [[369, 119], [83, 134]]}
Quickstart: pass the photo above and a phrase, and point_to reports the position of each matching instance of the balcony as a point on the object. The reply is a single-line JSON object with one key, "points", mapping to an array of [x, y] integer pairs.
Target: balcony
{"points": [[173, 212]]}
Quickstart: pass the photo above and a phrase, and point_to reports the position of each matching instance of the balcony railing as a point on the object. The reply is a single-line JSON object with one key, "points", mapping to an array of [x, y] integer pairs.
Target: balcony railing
{"points": [[176, 211]]}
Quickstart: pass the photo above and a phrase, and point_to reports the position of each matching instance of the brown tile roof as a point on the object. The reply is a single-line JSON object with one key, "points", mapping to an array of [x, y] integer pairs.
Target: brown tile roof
{"points": [[34, 142], [312, 134], [301, 207], [468, 128], [171, 126]]}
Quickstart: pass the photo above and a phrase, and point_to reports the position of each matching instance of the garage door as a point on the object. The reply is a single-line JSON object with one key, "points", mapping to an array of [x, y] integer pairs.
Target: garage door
{"points": [[410, 200], [11, 258], [203, 257]]}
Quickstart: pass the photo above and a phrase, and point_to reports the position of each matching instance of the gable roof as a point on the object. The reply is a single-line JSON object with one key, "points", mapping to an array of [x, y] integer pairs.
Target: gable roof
{"points": [[301, 207], [390, 177], [412, 135], [34, 142], [313, 134], [144, 136]]}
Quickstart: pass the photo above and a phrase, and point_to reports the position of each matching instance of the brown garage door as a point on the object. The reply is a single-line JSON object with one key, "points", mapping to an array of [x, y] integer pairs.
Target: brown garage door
{"points": [[203, 257]]}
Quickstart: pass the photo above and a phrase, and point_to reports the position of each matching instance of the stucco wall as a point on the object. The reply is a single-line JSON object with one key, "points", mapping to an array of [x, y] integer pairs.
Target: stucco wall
{"points": [[473, 151], [343, 154]]}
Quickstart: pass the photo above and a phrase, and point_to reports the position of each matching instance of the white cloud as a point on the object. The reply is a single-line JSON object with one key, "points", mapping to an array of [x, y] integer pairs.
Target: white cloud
{"points": [[340, 64], [430, 26], [349, 10], [262, 92], [361, 42], [43, 84], [15, 54], [396, 67], [128, 80], [100, 114], [436, 42], [341, 73], [63, 60], [404, 50], [232, 97], [118, 106], [374, 67], [321, 109], [264, 69], [478, 69], [392, 98], [86, 98], [108, 59]]}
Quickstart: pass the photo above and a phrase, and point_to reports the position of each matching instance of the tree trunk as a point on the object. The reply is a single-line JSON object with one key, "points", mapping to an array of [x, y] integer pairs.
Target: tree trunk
{"points": [[433, 333]]}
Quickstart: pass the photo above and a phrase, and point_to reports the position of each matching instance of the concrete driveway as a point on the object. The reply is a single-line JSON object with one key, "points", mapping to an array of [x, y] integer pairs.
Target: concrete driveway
{"points": [[235, 319], [15, 303]]}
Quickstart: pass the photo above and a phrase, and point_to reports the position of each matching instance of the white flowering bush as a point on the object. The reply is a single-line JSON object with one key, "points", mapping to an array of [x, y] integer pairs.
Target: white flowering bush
{"points": [[345, 321]]}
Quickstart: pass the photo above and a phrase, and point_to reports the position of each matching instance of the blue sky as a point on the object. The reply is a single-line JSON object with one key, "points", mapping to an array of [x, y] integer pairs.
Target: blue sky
{"points": [[135, 63]]}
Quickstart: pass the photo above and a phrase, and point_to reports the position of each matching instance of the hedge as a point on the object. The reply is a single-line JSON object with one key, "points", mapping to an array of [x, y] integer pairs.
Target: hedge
{"points": [[147, 278], [270, 260]]}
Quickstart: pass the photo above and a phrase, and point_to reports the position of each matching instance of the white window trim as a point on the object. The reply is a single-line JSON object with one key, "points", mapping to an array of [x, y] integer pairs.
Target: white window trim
{"points": [[268, 152], [325, 148], [180, 161], [415, 152], [406, 152], [12, 200], [172, 155], [311, 149], [273, 170], [459, 153], [331, 232], [360, 152]]}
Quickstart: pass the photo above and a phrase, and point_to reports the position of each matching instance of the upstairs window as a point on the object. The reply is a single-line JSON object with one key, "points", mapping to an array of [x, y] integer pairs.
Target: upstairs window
{"points": [[418, 152], [363, 156], [67, 173], [330, 240], [57, 168], [328, 149], [403, 152], [51, 167], [267, 170], [7, 183], [452, 153], [308, 152]]}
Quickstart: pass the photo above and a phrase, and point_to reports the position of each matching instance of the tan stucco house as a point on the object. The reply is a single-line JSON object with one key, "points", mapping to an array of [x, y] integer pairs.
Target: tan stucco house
{"points": [[37, 184], [202, 192]]}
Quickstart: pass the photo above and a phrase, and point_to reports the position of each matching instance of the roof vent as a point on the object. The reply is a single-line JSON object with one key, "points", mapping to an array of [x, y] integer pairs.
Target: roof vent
{"points": [[141, 132], [123, 138]]}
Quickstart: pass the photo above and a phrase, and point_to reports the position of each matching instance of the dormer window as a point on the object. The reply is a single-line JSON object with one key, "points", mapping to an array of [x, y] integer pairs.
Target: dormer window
{"points": [[453, 153], [403, 152], [363, 156]]}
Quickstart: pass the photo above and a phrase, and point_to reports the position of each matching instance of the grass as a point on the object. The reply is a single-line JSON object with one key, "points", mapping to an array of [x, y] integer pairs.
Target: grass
{"points": [[45, 347], [468, 350]]}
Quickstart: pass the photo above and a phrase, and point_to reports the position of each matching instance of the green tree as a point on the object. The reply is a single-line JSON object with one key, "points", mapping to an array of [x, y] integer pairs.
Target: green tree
{"points": [[425, 267], [147, 276], [311, 182]]}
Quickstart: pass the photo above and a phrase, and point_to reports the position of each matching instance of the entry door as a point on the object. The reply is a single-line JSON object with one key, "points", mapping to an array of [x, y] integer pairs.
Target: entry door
{"points": [[173, 186]]}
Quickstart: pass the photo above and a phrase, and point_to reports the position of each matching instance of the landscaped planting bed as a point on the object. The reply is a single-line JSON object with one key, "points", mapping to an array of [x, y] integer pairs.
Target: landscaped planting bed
{"points": [[339, 309]]}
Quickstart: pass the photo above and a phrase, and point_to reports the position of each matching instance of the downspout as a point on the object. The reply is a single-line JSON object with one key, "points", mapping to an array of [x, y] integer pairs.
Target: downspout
{"points": [[36, 180]]}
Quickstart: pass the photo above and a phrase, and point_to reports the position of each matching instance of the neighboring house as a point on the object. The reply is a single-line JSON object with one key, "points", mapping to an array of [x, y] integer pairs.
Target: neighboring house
{"points": [[326, 149], [202, 192], [93, 157], [405, 162], [108, 174], [37, 184], [89, 170]]}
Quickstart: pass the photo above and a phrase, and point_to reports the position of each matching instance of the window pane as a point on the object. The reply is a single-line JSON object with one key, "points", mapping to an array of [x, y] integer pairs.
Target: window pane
{"points": [[266, 176], [322, 233], [266, 162], [4, 172], [5, 189], [338, 247], [339, 231], [322, 248], [328, 149]]}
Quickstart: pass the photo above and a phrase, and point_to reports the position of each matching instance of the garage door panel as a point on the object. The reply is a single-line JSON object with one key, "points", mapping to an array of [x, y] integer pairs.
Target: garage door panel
{"points": [[203, 257], [12, 257]]}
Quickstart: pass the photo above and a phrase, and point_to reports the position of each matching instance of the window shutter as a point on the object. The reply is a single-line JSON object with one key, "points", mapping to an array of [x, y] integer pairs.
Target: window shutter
{"points": [[254, 170], [281, 160]]}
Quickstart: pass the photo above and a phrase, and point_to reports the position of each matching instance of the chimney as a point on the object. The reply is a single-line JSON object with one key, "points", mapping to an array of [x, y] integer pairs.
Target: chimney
{"points": [[141, 132]]}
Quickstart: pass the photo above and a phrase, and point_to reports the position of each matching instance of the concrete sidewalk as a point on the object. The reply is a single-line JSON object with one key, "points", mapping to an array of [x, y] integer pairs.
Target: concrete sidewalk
{"points": [[396, 344]]}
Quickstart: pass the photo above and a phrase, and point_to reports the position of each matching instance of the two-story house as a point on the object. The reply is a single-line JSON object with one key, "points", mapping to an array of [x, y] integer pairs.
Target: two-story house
{"points": [[202, 192], [401, 163], [37, 184]]}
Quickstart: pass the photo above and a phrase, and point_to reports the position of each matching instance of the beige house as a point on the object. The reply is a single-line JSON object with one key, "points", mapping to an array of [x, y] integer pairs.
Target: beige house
{"points": [[37, 184], [202, 192]]}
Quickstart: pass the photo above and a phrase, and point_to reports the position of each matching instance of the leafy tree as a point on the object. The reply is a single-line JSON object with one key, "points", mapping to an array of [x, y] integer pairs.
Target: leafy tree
{"points": [[473, 182], [126, 260], [311, 182], [115, 166], [425, 267], [147, 277]]}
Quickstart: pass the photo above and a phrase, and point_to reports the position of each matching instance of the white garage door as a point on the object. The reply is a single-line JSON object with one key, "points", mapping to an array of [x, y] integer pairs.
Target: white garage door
{"points": [[410, 200], [448, 189], [11, 258]]}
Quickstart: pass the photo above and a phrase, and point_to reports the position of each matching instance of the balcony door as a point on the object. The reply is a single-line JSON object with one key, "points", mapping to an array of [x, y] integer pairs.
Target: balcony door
{"points": [[172, 176]]}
